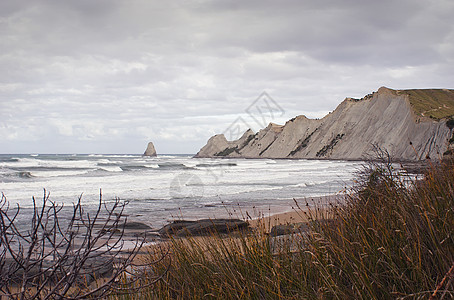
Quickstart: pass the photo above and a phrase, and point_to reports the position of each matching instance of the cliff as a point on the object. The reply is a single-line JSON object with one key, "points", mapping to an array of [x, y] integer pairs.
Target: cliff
{"points": [[410, 124]]}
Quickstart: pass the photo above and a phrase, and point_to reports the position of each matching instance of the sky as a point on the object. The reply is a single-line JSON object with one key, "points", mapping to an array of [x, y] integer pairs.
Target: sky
{"points": [[108, 76]]}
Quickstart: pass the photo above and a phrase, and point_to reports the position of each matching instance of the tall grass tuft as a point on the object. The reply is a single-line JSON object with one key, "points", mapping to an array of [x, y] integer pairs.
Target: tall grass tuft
{"points": [[392, 238]]}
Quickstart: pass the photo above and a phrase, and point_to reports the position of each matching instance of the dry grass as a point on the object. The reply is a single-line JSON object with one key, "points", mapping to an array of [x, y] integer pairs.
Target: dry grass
{"points": [[394, 238]]}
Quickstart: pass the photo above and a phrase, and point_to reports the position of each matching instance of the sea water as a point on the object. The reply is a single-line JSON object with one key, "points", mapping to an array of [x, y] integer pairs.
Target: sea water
{"points": [[162, 188]]}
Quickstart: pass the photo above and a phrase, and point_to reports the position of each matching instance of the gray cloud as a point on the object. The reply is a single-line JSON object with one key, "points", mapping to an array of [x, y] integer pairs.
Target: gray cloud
{"points": [[108, 76]]}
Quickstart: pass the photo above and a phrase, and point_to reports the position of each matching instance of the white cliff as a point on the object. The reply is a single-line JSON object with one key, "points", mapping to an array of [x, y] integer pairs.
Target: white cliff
{"points": [[385, 118]]}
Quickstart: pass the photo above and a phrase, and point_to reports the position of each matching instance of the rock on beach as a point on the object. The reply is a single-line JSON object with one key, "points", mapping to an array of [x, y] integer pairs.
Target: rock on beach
{"points": [[181, 228]]}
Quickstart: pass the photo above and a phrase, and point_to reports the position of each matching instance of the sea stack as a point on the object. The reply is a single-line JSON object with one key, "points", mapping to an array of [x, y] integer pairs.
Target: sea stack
{"points": [[151, 151]]}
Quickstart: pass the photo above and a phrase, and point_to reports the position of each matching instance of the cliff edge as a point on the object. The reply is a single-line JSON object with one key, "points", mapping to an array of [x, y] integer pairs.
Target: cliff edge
{"points": [[410, 124]]}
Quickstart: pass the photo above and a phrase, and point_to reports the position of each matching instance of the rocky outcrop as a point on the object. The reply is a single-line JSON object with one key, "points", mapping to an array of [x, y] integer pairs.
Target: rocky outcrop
{"points": [[202, 227], [150, 151], [387, 118], [449, 153], [218, 146]]}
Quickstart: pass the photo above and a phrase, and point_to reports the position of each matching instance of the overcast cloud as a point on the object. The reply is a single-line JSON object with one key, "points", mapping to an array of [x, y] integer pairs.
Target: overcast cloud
{"points": [[107, 76]]}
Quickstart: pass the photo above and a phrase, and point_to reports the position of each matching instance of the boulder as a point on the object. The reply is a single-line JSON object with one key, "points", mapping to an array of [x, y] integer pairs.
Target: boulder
{"points": [[135, 226], [202, 227], [279, 230], [95, 268], [150, 151]]}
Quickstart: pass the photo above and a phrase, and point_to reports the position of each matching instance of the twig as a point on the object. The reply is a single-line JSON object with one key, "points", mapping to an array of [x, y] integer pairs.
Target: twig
{"points": [[449, 275]]}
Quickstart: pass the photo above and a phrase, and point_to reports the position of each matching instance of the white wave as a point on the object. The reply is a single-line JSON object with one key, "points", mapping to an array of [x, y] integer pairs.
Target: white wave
{"points": [[140, 160], [104, 161], [152, 166], [111, 168], [190, 164], [256, 179], [168, 156], [48, 163], [57, 173], [311, 183], [20, 162], [123, 155], [271, 162]]}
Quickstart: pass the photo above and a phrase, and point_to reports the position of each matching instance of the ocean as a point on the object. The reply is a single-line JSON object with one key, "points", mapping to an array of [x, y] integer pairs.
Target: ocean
{"points": [[166, 187]]}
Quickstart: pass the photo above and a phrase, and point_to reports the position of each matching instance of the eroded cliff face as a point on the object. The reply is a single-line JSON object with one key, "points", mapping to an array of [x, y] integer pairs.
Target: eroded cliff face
{"points": [[384, 118]]}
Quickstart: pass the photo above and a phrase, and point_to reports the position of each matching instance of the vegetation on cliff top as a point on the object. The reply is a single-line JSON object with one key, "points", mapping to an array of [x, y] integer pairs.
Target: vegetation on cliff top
{"points": [[433, 103]]}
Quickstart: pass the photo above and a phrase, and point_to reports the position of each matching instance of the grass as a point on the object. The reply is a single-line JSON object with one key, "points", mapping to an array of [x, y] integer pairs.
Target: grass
{"points": [[433, 103], [393, 238]]}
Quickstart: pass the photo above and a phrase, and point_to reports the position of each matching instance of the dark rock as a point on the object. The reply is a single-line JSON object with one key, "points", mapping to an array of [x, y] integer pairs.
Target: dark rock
{"points": [[13, 272], [289, 229], [95, 268], [202, 227], [303, 227], [135, 226], [281, 230], [148, 235], [112, 230], [129, 227]]}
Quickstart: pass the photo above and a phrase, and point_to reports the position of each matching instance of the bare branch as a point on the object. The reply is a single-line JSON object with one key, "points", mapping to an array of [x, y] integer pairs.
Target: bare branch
{"points": [[67, 258]]}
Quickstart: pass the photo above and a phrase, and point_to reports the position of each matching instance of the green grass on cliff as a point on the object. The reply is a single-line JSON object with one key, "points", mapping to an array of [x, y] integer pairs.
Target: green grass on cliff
{"points": [[433, 103]]}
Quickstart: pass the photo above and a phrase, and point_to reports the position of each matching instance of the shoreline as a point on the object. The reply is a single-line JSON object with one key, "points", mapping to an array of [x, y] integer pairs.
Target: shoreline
{"points": [[299, 214]]}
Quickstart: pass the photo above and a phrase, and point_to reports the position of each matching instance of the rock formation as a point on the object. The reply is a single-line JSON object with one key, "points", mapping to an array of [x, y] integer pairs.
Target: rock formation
{"points": [[202, 227], [410, 124], [150, 151]]}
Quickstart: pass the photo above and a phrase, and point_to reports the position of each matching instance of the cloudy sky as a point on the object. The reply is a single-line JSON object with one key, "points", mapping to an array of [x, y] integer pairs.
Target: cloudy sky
{"points": [[107, 76]]}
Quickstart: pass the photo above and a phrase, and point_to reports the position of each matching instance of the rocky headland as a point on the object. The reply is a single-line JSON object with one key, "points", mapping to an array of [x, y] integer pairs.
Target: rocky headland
{"points": [[410, 124]]}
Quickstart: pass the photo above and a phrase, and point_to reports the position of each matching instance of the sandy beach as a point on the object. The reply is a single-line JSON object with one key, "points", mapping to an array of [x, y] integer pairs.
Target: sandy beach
{"points": [[317, 206]]}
